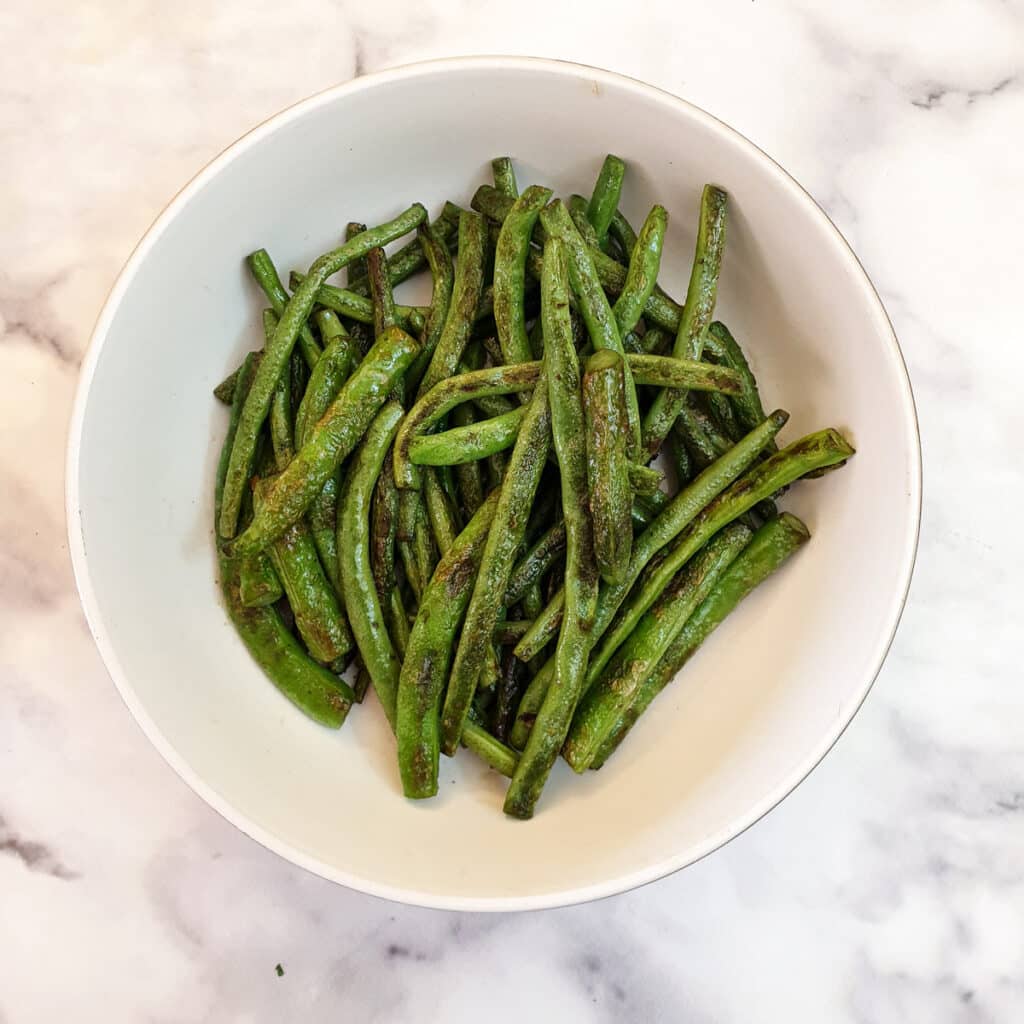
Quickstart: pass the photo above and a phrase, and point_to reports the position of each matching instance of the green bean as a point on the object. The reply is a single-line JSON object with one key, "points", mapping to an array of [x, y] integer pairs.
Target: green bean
{"points": [[469, 443], [440, 514], [679, 456], [612, 693], [772, 545], [677, 514], [365, 616], [313, 602], [656, 342], [504, 176], [356, 307], [407, 260], [429, 652], [442, 272], [577, 207], [490, 671], [659, 309], [508, 631], [467, 475], [225, 390], [468, 284], [700, 305], [385, 314], [581, 583], [510, 273], [607, 466], [265, 273], [721, 412], [491, 751], [622, 231], [362, 683], [325, 381], [601, 325], [383, 531], [445, 395], [642, 275], [747, 404], [277, 353], [605, 198], [507, 696], [643, 480], [423, 545], [357, 268], [506, 535], [331, 440], [258, 584], [703, 440], [545, 551], [823, 448]]}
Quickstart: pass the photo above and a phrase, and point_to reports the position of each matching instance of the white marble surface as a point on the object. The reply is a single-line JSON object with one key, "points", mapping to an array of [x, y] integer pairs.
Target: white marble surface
{"points": [[889, 887]]}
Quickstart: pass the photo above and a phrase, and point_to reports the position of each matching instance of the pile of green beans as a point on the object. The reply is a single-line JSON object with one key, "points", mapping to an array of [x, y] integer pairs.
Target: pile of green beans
{"points": [[514, 520]]}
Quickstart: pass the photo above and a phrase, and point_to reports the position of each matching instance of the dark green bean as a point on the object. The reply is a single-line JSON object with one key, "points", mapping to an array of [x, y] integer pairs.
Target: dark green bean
{"points": [[467, 444], [442, 272], [642, 275], [356, 307], [677, 514], [577, 207], [225, 390], [601, 325], [407, 260], [331, 440], [532, 567], [265, 273], [383, 532], [510, 273], [747, 404], [622, 231], [445, 395], [429, 652], [643, 480], [605, 199], [385, 314], [612, 693], [277, 353], [466, 291], [611, 497], [365, 616], [581, 583], [506, 698], [697, 312], [467, 475], [506, 535], [504, 176], [772, 545], [357, 268], [823, 448]]}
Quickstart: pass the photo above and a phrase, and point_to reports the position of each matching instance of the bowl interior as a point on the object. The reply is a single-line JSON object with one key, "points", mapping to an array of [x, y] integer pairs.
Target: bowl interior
{"points": [[752, 713]]}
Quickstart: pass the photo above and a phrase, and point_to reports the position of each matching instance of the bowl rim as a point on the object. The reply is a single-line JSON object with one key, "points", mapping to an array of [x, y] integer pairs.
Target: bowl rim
{"points": [[76, 540]]}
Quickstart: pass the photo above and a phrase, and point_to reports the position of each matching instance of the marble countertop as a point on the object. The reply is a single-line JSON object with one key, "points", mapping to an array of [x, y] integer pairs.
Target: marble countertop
{"points": [[889, 887]]}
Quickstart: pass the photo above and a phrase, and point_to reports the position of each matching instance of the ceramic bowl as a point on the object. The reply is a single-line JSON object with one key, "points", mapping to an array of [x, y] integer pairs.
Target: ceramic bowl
{"points": [[752, 713]]}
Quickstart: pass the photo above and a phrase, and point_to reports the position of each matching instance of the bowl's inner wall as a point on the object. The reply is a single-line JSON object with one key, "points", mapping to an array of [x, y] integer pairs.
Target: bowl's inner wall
{"points": [[754, 709]]}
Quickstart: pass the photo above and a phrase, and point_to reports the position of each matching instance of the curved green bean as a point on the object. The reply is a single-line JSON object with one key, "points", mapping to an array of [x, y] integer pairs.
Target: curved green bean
{"points": [[469, 443], [607, 466], [622, 231], [771, 545], [331, 440], [510, 273], [365, 616], [466, 290], [442, 272], [612, 693], [581, 582], [326, 379], [409, 258], [358, 308]]}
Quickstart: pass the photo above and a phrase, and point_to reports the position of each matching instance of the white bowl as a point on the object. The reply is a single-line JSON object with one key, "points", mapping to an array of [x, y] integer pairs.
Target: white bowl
{"points": [[752, 713]]}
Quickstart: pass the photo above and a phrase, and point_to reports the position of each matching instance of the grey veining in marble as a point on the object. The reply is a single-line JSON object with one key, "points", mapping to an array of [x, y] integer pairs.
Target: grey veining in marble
{"points": [[888, 888]]}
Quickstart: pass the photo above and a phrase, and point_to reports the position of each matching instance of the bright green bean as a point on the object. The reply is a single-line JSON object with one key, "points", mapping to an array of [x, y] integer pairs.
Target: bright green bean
{"points": [[504, 176], [469, 443], [642, 275], [605, 199], [265, 274], [356, 307]]}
